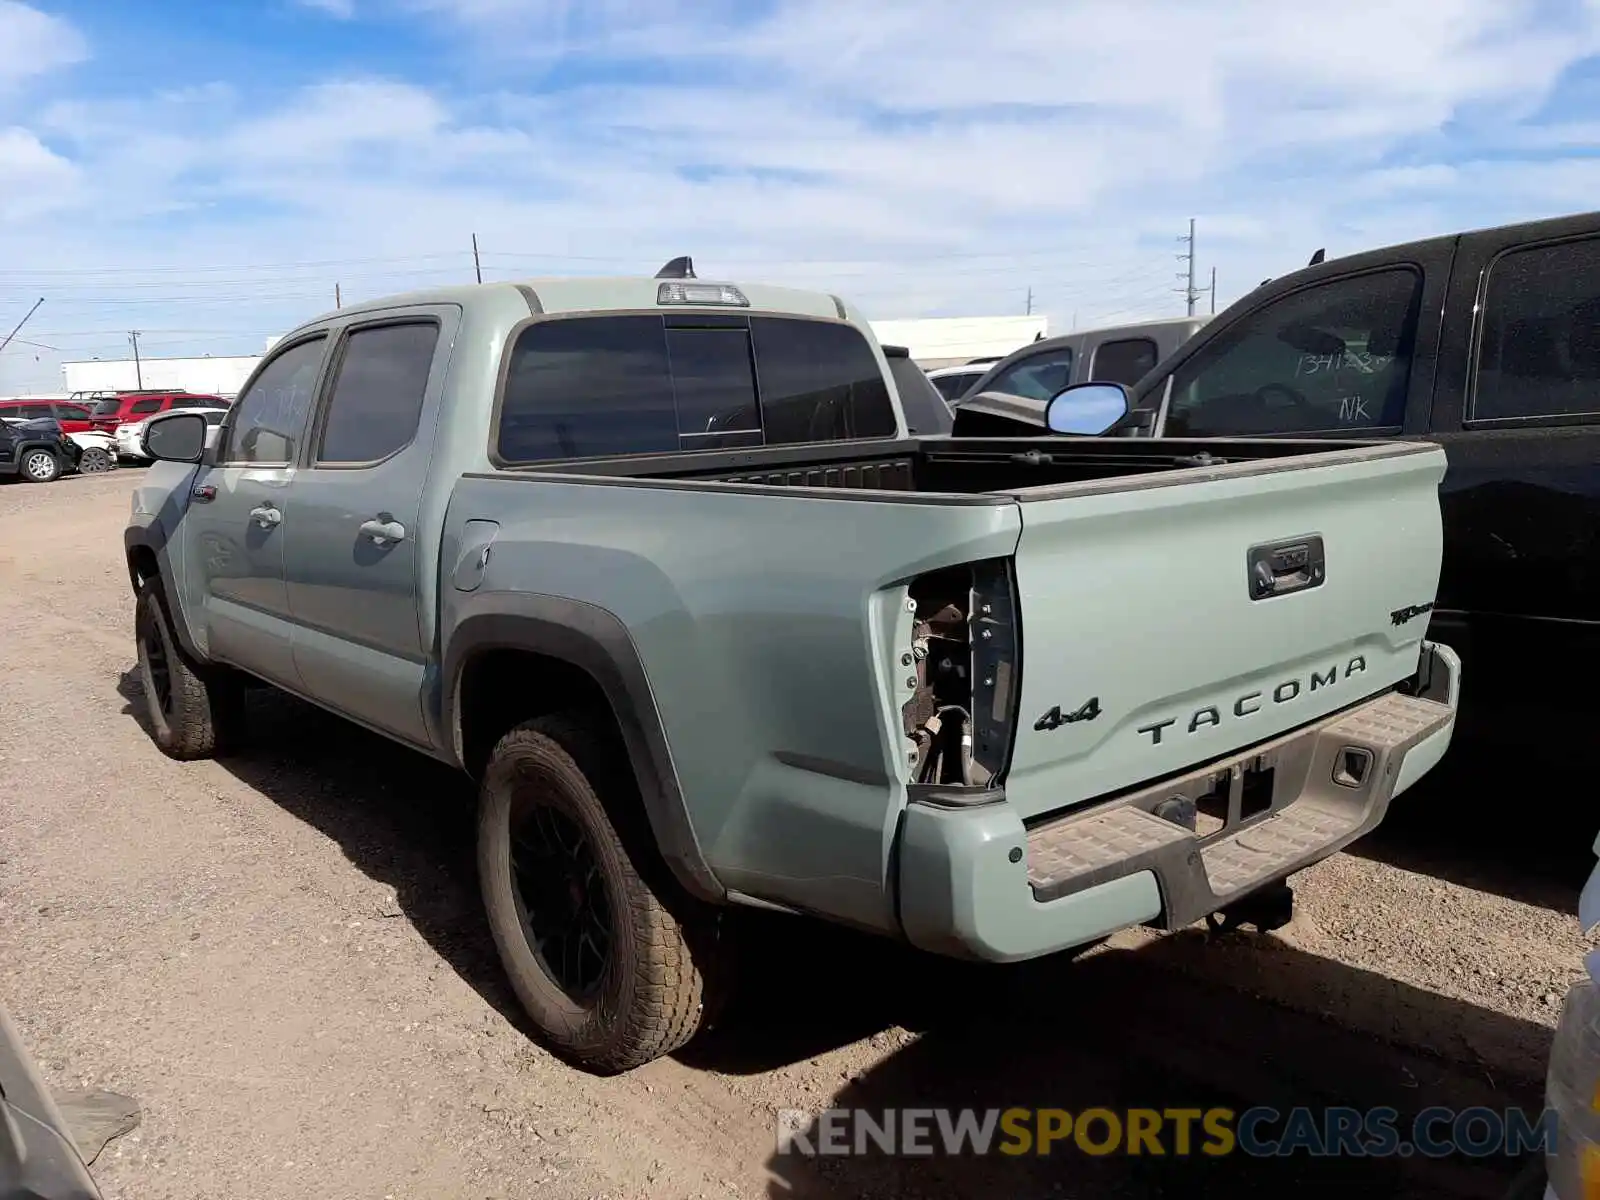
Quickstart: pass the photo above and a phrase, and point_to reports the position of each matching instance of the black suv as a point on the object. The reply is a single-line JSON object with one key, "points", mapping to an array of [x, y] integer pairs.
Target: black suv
{"points": [[37, 451], [1487, 342]]}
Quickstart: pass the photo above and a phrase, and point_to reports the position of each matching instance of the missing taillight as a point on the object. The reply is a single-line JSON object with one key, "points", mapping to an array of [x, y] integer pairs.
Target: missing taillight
{"points": [[964, 654]]}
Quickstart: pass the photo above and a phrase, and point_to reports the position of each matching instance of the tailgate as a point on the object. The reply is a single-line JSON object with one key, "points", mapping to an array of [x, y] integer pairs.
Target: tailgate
{"points": [[1205, 610]]}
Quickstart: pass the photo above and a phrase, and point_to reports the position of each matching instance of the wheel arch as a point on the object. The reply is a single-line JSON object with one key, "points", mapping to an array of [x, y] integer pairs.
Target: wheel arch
{"points": [[514, 657]]}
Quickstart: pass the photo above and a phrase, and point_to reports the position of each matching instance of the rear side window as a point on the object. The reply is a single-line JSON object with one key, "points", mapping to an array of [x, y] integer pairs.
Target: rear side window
{"points": [[376, 403], [107, 408], [1126, 360], [32, 412], [72, 412], [1539, 353], [1039, 376], [143, 407], [601, 386], [1333, 357]]}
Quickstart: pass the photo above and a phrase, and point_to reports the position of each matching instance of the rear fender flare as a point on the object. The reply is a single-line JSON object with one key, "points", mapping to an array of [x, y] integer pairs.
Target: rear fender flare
{"points": [[595, 641]]}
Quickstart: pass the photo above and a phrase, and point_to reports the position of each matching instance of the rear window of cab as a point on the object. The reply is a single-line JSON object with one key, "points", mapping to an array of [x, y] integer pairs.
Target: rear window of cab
{"points": [[579, 387]]}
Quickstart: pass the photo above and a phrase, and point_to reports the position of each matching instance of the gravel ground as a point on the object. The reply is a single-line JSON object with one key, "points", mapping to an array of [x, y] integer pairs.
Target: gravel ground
{"points": [[282, 957]]}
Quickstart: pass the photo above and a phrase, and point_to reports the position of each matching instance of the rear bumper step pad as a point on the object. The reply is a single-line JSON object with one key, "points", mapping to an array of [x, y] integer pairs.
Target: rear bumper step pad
{"points": [[1329, 783]]}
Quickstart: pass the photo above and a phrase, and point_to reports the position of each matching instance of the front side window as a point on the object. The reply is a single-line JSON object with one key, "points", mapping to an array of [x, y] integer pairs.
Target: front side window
{"points": [[376, 402], [269, 416], [581, 387], [1038, 377], [72, 412], [1335, 356], [32, 412], [1539, 354], [1126, 360]]}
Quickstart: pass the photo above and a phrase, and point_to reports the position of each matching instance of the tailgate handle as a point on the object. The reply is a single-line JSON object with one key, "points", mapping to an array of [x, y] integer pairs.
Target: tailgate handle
{"points": [[1279, 568]]}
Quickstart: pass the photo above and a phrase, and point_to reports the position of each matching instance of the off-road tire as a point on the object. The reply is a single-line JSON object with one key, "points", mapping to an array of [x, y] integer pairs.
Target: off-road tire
{"points": [[653, 996], [204, 715], [33, 468]]}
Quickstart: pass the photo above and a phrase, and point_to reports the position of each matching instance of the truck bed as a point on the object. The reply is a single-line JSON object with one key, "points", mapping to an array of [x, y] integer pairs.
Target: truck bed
{"points": [[979, 467]]}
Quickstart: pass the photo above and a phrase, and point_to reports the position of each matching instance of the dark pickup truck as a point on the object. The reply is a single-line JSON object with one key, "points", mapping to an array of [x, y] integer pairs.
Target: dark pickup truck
{"points": [[1486, 342]]}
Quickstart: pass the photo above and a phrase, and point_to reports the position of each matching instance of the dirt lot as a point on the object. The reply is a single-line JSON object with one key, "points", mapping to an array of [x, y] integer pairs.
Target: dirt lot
{"points": [[282, 957]]}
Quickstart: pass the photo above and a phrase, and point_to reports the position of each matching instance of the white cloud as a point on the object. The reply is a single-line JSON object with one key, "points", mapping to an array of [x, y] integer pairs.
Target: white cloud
{"points": [[34, 43], [922, 156]]}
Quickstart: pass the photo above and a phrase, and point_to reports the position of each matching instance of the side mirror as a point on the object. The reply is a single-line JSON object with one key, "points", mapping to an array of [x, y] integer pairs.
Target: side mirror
{"points": [[175, 437], [1086, 409]]}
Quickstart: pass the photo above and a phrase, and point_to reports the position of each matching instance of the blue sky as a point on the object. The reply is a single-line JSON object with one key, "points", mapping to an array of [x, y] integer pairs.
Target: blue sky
{"points": [[207, 173]]}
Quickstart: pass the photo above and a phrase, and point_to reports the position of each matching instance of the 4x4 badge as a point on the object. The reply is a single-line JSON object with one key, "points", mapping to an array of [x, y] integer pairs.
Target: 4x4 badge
{"points": [[1055, 718]]}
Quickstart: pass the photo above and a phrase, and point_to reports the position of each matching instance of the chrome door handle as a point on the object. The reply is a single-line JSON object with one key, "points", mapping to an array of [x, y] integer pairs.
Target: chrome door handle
{"points": [[266, 516], [383, 529]]}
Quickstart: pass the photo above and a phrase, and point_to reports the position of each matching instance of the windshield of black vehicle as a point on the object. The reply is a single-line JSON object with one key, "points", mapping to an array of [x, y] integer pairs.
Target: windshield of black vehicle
{"points": [[925, 409], [106, 408]]}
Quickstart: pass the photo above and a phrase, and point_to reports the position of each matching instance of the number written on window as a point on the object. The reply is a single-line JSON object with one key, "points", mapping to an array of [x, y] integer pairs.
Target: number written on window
{"points": [[270, 416], [376, 402], [1539, 354], [1333, 356]]}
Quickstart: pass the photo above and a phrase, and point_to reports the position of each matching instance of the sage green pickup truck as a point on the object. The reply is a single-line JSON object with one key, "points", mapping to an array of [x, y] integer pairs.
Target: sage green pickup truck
{"points": [[658, 563]]}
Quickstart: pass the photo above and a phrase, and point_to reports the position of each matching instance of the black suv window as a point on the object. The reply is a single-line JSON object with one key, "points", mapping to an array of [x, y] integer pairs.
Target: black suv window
{"points": [[1123, 361], [376, 402], [1334, 356], [269, 415], [1539, 354], [600, 386], [1039, 376]]}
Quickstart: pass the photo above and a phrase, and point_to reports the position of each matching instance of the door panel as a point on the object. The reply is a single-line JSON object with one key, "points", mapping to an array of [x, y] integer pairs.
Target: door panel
{"points": [[241, 512], [239, 559], [354, 565]]}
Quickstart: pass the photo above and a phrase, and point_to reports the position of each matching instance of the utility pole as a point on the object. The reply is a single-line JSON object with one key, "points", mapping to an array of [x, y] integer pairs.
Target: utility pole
{"points": [[22, 322], [338, 301], [1190, 292], [477, 267], [1213, 291], [1030, 302], [138, 371]]}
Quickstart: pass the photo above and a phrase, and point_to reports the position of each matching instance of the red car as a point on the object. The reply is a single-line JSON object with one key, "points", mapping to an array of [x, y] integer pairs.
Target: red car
{"points": [[74, 418], [107, 414]]}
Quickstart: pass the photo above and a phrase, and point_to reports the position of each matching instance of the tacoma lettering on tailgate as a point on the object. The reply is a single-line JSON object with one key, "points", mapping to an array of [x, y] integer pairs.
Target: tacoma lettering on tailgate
{"points": [[1251, 702]]}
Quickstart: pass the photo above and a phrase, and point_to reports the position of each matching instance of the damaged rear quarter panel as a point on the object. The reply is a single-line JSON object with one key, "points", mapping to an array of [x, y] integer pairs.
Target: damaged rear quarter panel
{"points": [[766, 625]]}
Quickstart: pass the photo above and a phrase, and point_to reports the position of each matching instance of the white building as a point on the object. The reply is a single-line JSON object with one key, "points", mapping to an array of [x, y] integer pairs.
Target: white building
{"points": [[947, 341], [221, 375]]}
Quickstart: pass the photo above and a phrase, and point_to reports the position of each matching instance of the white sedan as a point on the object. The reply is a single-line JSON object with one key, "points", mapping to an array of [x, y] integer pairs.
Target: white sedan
{"points": [[130, 435]]}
